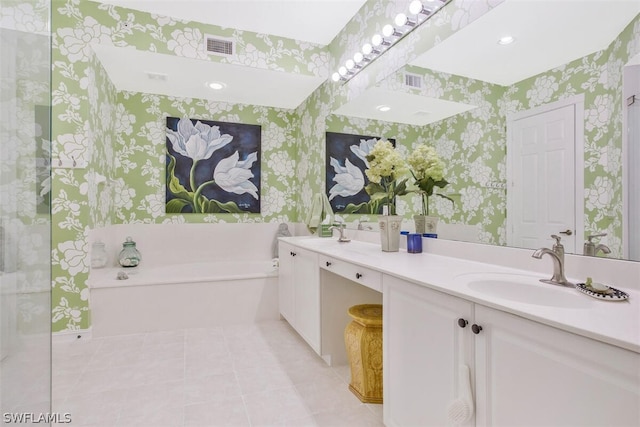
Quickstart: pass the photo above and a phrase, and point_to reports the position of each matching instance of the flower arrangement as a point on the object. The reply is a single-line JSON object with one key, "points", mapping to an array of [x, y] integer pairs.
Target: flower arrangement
{"points": [[427, 170], [386, 168]]}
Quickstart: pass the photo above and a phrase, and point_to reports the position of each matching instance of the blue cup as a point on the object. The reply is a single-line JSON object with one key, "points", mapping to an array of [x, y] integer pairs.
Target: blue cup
{"points": [[414, 243]]}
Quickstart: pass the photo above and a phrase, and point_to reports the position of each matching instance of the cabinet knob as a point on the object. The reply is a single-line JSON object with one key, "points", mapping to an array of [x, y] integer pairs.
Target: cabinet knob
{"points": [[476, 328], [328, 263], [358, 275], [462, 322]]}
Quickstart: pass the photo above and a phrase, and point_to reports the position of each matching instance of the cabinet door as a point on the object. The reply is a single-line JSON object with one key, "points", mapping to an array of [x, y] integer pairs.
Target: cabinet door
{"points": [[285, 281], [529, 374], [423, 350], [306, 290]]}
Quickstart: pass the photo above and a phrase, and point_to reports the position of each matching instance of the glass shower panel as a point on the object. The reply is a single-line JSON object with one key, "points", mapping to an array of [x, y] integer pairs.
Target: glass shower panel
{"points": [[25, 217]]}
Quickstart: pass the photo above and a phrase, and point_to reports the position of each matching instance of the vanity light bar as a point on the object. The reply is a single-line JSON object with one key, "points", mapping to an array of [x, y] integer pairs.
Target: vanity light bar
{"points": [[421, 10]]}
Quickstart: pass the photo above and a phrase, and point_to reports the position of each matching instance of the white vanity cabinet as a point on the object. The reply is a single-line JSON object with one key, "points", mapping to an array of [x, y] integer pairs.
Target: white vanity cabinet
{"points": [[423, 347], [532, 374], [299, 291], [522, 372]]}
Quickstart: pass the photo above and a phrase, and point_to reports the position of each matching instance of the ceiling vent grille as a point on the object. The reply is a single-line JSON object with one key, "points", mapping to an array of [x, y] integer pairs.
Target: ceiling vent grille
{"points": [[219, 46], [413, 80]]}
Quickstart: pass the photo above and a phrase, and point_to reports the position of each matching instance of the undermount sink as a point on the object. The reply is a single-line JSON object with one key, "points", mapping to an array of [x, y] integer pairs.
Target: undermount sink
{"points": [[524, 289]]}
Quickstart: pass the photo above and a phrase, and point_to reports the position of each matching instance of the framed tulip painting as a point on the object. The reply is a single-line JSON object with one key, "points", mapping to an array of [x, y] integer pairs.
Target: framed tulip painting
{"points": [[212, 167], [346, 177]]}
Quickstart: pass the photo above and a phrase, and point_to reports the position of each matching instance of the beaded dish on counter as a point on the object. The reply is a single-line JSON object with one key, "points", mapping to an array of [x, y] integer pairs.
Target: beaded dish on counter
{"points": [[609, 294]]}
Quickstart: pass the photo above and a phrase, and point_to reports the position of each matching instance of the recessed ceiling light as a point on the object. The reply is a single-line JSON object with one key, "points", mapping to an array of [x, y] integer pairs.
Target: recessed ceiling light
{"points": [[506, 40], [216, 85], [383, 108]]}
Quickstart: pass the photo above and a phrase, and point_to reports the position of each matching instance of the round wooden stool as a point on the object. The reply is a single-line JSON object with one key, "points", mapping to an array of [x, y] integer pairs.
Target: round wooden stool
{"points": [[363, 339]]}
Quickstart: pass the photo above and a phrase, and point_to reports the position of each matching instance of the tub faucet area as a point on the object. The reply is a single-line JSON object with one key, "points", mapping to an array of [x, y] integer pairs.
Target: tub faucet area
{"points": [[557, 255]]}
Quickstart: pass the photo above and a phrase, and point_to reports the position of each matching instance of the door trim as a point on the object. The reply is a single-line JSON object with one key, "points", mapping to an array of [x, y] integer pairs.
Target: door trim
{"points": [[578, 102]]}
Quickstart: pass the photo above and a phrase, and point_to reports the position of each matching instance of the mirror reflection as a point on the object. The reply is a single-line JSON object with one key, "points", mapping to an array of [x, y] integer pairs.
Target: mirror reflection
{"points": [[532, 109]]}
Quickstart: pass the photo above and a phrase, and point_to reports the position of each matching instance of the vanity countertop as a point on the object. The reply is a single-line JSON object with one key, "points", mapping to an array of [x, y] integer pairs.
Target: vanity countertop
{"points": [[613, 322]]}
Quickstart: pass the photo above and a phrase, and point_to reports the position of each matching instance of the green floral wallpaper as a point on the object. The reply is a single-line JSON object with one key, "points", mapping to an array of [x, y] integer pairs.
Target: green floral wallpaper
{"points": [[120, 135]]}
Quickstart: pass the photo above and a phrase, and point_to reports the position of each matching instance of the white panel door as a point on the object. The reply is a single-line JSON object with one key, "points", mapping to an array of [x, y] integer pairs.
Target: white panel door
{"points": [[541, 173]]}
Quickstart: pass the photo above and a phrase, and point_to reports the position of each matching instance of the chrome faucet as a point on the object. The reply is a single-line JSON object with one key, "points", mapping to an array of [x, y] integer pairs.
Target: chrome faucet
{"points": [[340, 227], [591, 249], [362, 226], [557, 256]]}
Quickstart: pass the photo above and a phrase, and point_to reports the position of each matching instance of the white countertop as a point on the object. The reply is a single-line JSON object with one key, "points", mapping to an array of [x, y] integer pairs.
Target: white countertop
{"points": [[613, 322]]}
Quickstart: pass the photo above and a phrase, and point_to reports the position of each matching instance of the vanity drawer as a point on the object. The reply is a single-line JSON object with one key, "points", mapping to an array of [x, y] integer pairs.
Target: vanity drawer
{"points": [[365, 276]]}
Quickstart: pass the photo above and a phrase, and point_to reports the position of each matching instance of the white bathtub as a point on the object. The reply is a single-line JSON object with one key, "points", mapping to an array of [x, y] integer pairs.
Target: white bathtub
{"points": [[181, 296]]}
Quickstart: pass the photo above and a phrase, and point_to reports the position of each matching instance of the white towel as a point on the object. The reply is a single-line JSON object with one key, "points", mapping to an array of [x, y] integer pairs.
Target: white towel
{"points": [[320, 212]]}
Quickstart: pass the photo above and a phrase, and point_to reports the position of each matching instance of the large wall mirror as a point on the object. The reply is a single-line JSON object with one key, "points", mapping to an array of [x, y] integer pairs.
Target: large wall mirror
{"points": [[539, 132]]}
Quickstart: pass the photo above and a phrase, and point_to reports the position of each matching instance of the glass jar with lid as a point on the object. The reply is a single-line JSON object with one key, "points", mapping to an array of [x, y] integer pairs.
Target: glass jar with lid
{"points": [[99, 255], [129, 255]]}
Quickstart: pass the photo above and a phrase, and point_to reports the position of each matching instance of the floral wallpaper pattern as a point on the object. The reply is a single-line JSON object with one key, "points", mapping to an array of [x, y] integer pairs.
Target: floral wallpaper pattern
{"points": [[121, 136], [24, 171]]}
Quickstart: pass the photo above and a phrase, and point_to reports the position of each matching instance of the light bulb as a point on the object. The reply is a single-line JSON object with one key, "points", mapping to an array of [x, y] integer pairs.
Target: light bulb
{"points": [[376, 40], [388, 30], [358, 57], [506, 40], [415, 7], [342, 71], [217, 85], [350, 64], [401, 19], [335, 77], [367, 49]]}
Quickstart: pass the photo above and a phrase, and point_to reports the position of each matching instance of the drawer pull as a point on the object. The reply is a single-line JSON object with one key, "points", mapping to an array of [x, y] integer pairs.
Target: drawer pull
{"points": [[476, 328], [358, 275], [328, 263], [462, 322]]}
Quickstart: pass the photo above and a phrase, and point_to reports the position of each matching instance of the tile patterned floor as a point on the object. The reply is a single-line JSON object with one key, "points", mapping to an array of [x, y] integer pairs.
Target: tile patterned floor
{"points": [[261, 374]]}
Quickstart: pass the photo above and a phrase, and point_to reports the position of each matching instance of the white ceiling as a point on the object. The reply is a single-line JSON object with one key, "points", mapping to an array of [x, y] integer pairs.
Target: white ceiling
{"points": [[316, 21], [404, 107], [129, 70], [548, 33]]}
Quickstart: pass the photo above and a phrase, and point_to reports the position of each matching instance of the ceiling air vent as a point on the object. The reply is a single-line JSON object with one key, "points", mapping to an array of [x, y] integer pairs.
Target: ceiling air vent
{"points": [[219, 46], [413, 80]]}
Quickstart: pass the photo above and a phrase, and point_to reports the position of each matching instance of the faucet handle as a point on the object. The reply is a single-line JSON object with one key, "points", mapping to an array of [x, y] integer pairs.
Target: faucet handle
{"points": [[596, 235], [558, 238]]}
